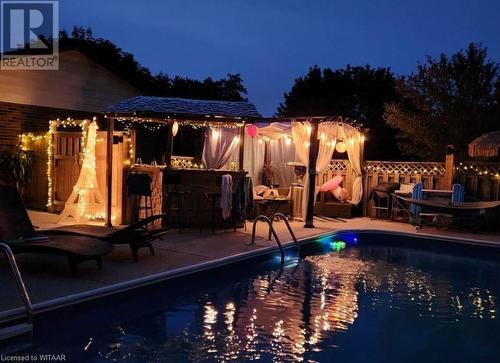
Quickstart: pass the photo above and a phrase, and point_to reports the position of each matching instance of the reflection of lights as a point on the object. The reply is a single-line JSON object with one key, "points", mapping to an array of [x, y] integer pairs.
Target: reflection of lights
{"points": [[277, 340], [209, 319], [231, 351], [251, 335]]}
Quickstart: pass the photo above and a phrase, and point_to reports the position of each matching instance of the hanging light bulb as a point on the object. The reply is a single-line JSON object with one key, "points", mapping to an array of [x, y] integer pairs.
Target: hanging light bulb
{"points": [[175, 128], [341, 147]]}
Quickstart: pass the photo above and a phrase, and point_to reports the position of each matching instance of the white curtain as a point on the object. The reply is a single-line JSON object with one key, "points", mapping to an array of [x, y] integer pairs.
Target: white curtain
{"points": [[328, 133], [253, 158], [281, 152], [325, 152], [219, 145], [354, 141], [300, 134]]}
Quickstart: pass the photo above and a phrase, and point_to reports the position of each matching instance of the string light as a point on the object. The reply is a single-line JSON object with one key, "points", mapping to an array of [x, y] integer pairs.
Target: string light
{"points": [[153, 124], [53, 125]]}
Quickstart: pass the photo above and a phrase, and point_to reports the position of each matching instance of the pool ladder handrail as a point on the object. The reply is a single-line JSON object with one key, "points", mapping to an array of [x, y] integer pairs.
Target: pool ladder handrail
{"points": [[18, 329], [272, 231], [281, 216]]}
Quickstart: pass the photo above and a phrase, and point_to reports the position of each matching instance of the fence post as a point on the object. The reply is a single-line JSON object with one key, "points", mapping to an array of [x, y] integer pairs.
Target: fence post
{"points": [[449, 167]]}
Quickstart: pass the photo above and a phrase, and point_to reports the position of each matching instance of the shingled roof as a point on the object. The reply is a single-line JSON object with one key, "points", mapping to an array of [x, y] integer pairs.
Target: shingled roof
{"points": [[182, 107]]}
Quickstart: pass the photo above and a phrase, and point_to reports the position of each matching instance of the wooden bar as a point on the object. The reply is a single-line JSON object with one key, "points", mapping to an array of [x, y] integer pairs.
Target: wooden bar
{"points": [[195, 183]]}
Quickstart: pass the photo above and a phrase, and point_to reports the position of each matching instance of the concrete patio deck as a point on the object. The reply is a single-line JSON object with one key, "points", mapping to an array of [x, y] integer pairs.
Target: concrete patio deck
{"points": [[50, 284]]}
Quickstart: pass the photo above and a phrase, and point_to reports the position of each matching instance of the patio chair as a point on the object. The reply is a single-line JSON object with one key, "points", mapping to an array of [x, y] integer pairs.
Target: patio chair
{"points": [[17, 231], [136, 235]]}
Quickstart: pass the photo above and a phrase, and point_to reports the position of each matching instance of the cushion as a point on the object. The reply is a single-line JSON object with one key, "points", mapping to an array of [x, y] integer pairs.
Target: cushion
{"points": [[260, 189], [341, 194], [331, 184], [406, 188]]}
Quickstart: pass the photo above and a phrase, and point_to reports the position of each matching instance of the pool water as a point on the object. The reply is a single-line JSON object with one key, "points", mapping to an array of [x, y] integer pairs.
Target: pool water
{"points": [[369, 302]]}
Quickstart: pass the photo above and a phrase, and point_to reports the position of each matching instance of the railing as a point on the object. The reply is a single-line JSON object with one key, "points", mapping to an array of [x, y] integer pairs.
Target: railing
{"points": [[12, 331], [19, 280], [271, 230], [281, 216]]}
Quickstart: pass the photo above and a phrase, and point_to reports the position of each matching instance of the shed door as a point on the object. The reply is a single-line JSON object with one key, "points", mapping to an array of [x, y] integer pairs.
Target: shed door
{"points": [[67, 165]]}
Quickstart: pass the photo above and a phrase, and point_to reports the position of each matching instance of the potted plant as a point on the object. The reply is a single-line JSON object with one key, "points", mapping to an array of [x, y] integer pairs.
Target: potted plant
{"points": [[16, 168]]}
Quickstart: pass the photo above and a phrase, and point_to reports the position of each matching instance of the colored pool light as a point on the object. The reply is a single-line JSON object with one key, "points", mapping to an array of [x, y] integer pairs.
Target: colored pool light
{"points": [[338, 245]]}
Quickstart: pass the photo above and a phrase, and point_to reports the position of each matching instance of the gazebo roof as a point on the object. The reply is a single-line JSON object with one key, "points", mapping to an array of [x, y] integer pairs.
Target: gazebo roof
{"points": [[171, 107], [486, 146]]}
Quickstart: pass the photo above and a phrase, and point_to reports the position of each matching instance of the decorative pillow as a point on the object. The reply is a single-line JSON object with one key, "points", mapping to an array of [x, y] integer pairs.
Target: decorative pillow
{"points": [[406, 188], [260, 189], [341, 194], [332, 184]]}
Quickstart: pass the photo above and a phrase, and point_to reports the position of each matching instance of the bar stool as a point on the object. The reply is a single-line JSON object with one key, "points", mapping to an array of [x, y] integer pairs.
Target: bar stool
{"points": [[174, 199], [139, 187], [214, 198]]}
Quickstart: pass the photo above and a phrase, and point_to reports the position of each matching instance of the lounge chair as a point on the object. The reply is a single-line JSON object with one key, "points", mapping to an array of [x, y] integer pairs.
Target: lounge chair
{"points": [[136, 235], [471, 215], [17, 231]]}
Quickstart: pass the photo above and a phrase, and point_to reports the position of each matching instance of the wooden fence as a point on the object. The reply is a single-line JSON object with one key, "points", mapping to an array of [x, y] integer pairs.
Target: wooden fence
{"points": [[376, 172], [481, 179]]}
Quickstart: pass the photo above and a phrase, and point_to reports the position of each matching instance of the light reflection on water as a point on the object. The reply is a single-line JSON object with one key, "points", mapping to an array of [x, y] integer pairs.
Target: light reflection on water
{"points": [[317, 308]]}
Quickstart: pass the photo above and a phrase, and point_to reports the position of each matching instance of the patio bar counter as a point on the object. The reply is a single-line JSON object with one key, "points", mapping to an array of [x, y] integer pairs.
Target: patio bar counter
{"points": [[195, 183]]}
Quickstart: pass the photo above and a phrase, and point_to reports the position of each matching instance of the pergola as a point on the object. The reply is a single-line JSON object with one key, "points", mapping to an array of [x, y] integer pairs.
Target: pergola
{"points": [[174, 112], [315, 139]]}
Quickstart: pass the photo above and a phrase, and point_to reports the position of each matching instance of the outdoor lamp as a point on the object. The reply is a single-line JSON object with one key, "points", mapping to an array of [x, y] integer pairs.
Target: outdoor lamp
{"points": [[175, 128], [341, 147], [252, 130]]}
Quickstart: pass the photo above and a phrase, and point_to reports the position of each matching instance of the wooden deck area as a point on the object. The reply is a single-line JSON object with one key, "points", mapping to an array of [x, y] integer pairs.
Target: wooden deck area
{"points": [[50, 284]]}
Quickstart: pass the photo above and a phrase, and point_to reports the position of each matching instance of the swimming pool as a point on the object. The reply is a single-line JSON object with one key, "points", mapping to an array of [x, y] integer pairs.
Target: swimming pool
{"points": [[349, 297]]}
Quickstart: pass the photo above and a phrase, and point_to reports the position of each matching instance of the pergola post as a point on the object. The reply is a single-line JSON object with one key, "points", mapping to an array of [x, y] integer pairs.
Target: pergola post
{"points": [[449, 167], [242, 147], [109, 169], [313, 156], [169, 146]]}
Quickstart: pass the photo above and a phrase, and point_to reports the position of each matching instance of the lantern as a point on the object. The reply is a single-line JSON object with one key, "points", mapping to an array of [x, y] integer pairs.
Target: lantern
{"points": [[252, 130], [341, 147], [175, 128]]}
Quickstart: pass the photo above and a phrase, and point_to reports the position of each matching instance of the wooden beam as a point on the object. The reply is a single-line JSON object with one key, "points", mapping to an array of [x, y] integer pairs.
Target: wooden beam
{"points": [[242, 147], [313, 156], [449, 171], [109, 170], [169, 146]]}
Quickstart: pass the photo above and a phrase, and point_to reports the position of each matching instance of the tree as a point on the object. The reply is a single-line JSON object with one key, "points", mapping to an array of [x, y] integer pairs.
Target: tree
{"points": [[359, 93], [449, 100], [124, 64]]}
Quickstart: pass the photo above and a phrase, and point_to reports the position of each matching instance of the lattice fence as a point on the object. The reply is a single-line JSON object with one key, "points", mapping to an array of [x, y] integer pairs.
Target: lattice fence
{"points": [[391, 167], [405, 167]]}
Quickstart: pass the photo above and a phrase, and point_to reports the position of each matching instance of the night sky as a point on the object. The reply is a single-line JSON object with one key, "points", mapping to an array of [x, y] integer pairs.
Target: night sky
{"points": [[271, 42]]}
